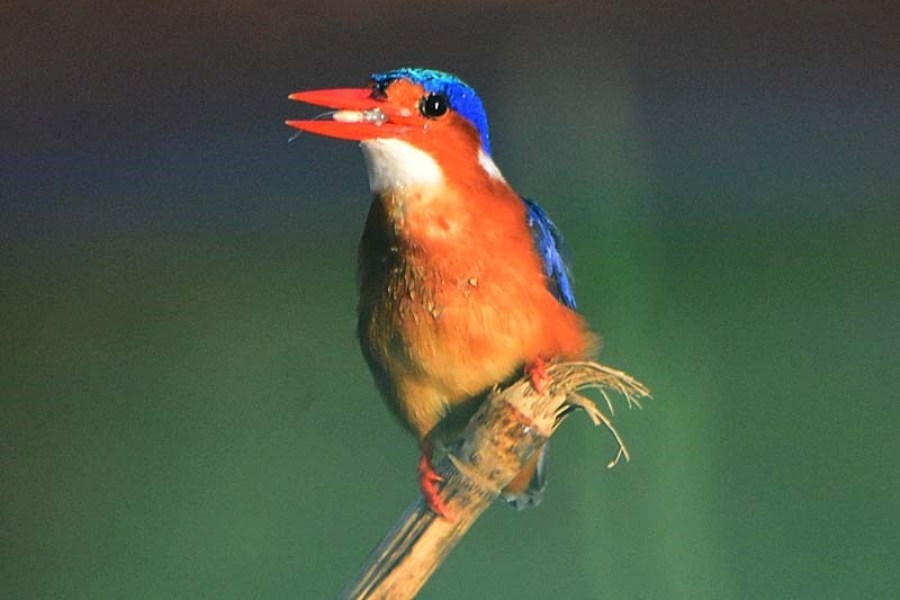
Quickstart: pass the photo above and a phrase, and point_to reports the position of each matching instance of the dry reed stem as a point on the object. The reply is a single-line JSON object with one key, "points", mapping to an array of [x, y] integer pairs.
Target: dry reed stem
{"points": [[500, 438]]}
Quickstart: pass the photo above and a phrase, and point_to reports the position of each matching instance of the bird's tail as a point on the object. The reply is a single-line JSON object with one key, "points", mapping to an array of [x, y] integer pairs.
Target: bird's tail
{"points": [[527, 488]]}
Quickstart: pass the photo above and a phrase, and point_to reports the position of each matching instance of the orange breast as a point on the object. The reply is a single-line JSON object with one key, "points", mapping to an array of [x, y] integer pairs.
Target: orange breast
{"points": [[453, 300]]}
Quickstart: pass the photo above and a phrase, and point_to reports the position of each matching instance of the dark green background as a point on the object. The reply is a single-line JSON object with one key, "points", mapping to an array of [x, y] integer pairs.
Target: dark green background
{"points": [[185, 413]]}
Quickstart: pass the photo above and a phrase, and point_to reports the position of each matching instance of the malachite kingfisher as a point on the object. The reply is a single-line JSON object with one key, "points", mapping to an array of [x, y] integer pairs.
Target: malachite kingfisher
{"points": [[462, 281]]}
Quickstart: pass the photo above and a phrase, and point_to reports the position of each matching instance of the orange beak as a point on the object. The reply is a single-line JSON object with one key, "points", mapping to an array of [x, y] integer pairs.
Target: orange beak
{"points": [[358, 116]]}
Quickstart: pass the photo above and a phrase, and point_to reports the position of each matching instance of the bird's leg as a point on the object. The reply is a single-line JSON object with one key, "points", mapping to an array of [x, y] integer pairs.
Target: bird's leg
{"points": [[428, 477], [537, 372]]}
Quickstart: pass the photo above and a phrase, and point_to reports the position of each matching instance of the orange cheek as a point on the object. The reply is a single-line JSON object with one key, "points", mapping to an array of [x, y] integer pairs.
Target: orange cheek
{"points": [[447, 137], [407, 95]]}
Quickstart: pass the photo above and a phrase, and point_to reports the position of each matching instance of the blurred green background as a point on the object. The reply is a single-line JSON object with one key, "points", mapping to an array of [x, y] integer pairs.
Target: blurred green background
{"points": [[185, 413]]}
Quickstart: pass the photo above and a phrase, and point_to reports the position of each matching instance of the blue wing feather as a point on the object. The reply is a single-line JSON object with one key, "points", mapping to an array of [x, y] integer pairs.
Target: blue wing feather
{"points": [[551, 246]]}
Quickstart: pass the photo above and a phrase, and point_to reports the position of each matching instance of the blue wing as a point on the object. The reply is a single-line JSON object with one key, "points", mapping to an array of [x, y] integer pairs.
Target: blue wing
{"points": [[550, 245]]}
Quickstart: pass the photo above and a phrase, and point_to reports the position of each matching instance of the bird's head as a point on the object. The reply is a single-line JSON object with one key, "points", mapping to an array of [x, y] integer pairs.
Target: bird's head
{"points": [[416, 127]]}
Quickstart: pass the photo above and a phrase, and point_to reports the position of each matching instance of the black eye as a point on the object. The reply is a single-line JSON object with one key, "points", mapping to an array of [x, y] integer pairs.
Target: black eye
{"points": [[434, 105]]}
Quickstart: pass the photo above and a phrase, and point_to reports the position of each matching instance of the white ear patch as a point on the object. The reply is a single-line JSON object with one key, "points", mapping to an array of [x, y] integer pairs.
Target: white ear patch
{"points": [[490, 167], [395, 165]]}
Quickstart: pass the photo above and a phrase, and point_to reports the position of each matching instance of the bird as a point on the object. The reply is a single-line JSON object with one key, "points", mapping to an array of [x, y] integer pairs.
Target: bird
{"points": [[463, 283]]}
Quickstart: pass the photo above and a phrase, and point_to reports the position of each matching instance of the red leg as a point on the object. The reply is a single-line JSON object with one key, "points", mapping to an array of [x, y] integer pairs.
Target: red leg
{"points": [[537, 371], [427, 480]]}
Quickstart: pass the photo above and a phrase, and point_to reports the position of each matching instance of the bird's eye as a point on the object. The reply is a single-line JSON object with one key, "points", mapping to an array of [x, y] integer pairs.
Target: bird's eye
{"points": [[434, 105]]}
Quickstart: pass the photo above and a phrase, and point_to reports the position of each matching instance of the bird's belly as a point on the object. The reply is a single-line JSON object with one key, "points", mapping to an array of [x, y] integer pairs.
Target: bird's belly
{"points": [[440, 343], [474, 339]]}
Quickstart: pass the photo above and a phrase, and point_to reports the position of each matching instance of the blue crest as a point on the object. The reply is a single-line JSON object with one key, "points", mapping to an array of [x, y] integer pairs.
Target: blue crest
{"points": [[463, 98]]}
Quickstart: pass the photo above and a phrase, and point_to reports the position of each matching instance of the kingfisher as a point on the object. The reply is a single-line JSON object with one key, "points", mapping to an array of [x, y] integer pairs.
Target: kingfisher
{"points": [[462, 281]]}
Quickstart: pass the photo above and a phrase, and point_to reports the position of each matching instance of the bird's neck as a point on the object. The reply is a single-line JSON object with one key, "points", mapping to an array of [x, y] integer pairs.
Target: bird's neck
{"points": [[395, 164], [442, 197]]}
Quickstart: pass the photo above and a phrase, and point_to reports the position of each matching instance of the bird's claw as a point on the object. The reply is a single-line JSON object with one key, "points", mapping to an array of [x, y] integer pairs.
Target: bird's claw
{"points": [[428, 478], [537, 372]]}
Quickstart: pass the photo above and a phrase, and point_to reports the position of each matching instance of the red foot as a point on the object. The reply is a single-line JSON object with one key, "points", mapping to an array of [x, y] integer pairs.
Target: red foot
{"points": [[537, 371], [427, 480]]}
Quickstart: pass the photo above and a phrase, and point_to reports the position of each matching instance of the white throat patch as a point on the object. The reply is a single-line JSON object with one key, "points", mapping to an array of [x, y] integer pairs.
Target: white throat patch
{"points": [[395, 165]]}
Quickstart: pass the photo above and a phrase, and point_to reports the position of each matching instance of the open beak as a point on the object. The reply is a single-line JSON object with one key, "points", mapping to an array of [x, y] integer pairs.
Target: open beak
{"points": [[357, 115]]}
